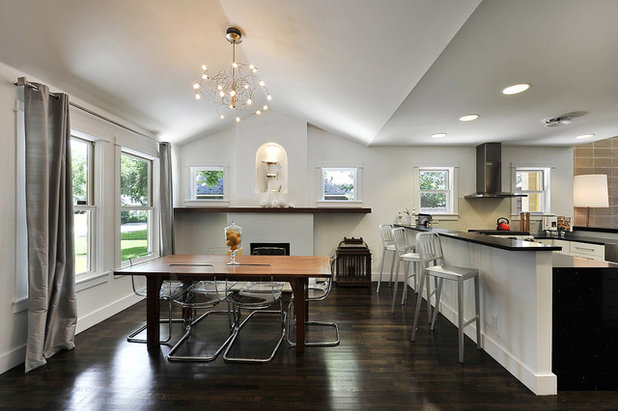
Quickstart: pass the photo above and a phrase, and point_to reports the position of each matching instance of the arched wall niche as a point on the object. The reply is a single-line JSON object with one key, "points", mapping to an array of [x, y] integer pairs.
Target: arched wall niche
{"points": [[271, 170]]}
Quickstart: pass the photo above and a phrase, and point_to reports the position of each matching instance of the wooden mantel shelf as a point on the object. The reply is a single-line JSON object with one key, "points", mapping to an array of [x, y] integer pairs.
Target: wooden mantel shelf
{"points": [[290, 210]]}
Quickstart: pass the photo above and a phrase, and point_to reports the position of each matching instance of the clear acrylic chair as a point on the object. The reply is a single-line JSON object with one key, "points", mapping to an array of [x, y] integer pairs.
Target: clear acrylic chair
{"points": [[403, 254], [197, 295], [168, 289], [256, 297], [432, 264], [315, 292], [388, 247]]}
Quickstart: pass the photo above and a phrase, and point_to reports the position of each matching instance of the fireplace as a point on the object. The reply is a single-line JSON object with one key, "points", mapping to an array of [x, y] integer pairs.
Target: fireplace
{"points": [[285, 246]]}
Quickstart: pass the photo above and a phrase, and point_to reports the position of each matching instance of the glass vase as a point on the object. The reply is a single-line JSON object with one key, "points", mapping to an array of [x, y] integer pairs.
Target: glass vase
{"points": [[233, 241]]}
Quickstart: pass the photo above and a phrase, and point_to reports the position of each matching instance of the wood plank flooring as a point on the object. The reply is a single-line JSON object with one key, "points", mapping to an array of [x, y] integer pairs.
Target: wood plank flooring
{"points": [[375, 367]]}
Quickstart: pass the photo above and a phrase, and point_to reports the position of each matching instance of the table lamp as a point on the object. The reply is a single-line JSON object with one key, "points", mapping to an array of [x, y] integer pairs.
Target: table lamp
{"points": [[590, 190]]}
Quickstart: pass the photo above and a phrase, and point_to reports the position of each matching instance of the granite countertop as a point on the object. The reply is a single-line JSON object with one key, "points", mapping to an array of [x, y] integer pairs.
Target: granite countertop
{"points": [[570, 237], [483, 239]]}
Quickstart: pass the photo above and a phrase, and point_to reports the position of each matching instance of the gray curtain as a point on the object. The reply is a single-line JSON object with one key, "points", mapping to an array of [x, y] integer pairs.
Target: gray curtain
{"points": [[167, 208], [52, 312]]}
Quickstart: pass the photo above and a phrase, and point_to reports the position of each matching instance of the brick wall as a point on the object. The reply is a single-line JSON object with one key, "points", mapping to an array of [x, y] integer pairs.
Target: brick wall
{"points": [[599, 157]]}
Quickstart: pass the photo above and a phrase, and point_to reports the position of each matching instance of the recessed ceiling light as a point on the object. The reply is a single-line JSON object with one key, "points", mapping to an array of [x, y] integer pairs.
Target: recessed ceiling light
{"points": [[469, 117], [584, 136], [516, 89], [438, 135]]}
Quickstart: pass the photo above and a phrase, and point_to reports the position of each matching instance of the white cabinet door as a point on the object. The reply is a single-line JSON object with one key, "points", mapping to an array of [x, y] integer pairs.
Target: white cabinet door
{"points": [[586, 250]]}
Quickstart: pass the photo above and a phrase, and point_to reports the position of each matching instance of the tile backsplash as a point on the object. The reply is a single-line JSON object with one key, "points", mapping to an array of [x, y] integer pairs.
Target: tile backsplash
{"points": [[599, 157]]}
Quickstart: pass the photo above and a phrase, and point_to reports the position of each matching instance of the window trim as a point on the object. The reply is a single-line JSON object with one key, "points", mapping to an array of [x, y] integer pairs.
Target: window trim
{"points": [[358, 184], [453, 192], [193, 181], [546, 191]]}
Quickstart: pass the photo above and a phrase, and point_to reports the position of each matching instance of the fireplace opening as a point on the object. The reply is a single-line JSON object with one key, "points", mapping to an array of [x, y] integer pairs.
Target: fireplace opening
{"points": [[285, 246]]}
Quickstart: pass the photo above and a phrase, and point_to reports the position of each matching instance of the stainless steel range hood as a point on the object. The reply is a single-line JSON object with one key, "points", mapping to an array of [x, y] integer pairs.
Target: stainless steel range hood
{"points": [[489, 173]]}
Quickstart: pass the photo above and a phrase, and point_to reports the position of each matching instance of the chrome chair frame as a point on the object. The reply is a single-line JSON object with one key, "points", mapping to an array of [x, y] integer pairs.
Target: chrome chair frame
{"points": [[259, 304], [189, 305]]}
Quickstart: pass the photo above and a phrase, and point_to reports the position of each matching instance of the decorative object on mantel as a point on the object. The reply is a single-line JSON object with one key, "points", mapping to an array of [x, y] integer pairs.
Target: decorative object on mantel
{"points": [[233, 240], [234, 91], [271, 174], [590, 190]]}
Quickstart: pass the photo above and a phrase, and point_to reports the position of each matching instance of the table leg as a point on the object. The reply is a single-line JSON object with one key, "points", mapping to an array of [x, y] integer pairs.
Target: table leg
{"points": [[301, 310], [153, 288]]}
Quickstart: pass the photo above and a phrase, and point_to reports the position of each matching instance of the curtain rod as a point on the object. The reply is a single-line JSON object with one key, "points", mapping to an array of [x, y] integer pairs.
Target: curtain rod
{"points": [[21, 81]]}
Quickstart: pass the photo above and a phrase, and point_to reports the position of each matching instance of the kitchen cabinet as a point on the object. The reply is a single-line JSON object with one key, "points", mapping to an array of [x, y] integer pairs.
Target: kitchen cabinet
{"points": [[577, 248]]}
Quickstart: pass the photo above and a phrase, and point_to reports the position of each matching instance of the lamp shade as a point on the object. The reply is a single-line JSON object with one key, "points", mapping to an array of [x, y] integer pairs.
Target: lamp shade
{"points": [[590, 190]]}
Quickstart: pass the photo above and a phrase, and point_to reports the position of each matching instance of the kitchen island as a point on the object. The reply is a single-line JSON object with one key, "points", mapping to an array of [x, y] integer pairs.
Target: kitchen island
{"points": [[516, 292]]}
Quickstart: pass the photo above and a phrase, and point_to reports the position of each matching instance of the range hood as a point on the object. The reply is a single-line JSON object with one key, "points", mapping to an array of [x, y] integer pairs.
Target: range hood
{"points": [[489, 173]]}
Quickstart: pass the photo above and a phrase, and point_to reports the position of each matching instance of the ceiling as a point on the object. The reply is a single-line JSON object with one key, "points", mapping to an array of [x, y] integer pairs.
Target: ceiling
{"points": [[383, 73]]}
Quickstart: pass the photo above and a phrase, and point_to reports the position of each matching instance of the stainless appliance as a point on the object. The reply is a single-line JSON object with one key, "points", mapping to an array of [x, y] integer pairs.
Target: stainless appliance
{"points": [[423, 220], [489, 173]]}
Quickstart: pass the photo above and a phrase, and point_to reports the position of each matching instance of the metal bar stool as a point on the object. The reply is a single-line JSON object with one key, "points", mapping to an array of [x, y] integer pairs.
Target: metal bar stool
{"points": [[432, 264], [403, 253], [193, 296], [387, 246]]}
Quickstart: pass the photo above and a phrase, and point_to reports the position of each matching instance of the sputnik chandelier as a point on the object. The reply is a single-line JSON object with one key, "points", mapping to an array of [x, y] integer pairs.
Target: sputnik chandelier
{"points": [[236, 90]]}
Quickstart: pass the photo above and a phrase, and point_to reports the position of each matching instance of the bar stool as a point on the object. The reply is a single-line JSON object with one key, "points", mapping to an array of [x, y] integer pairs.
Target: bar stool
{"points": [[387, 246], [432, 264], [403, 253]]}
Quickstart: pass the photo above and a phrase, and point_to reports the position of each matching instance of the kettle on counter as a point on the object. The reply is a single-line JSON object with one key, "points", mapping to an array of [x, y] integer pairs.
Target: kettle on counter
{"points": [[503, 224]]}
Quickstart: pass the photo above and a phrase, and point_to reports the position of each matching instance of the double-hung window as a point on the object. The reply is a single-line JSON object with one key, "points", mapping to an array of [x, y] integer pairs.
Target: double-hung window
{"points": [[435, 188], [136, 207], [82, 169], [533, 181], [340, 184]]}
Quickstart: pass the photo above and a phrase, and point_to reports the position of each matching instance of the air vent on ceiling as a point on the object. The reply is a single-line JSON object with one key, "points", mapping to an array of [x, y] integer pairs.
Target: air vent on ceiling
{"points": [[557, 121]]}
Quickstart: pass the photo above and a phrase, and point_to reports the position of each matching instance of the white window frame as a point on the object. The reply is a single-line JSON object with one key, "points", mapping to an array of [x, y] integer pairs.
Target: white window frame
{"points": [[192, 183], [452, 212], [90, 207], [546, 192], [358, 183], [153, 225]]}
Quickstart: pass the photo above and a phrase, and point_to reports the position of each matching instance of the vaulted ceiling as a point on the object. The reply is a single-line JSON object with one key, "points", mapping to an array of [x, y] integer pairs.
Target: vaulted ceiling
{"points": [[381, 72]]}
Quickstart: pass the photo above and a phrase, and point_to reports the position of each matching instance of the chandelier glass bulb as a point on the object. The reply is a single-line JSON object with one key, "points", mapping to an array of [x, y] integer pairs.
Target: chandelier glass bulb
{"points": [[236, 89]]}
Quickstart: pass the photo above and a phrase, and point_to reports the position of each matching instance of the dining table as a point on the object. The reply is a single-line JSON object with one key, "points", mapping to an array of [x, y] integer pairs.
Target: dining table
{"points": [[293, 269]]}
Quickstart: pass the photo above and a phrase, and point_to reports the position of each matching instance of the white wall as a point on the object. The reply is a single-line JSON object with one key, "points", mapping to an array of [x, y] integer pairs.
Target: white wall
{"points": [[387, 180], [99, 297]]}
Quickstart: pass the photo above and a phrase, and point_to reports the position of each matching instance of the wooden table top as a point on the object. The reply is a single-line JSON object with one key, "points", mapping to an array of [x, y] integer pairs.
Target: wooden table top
{"points": [[250, 265]]}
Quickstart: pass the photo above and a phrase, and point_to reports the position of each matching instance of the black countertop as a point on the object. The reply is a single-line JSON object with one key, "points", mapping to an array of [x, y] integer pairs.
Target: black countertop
{"points": [[568, 237], [483, 239]]}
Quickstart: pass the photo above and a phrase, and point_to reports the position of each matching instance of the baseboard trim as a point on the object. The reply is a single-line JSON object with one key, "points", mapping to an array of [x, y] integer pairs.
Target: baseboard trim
{"points": [[12, 358], [103, 313], [539, 384]]}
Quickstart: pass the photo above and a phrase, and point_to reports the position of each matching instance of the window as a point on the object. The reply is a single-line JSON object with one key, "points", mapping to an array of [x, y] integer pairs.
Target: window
{"points": [[136, 207], [82, 169], [535, 183], [339, 184], [436, 190], [208, 183]]}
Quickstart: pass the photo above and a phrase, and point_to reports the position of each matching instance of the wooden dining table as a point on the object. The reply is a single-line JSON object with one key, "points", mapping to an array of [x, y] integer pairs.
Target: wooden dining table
{"points": [[293, 269]]}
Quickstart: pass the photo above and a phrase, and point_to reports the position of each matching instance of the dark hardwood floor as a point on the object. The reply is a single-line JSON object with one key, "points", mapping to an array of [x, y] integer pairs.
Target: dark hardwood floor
{"points": [[375, 367]]}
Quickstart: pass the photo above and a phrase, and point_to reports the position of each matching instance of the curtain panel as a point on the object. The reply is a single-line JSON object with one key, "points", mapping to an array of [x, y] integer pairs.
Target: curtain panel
{"points": [[167, 207], [52, 314]]}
